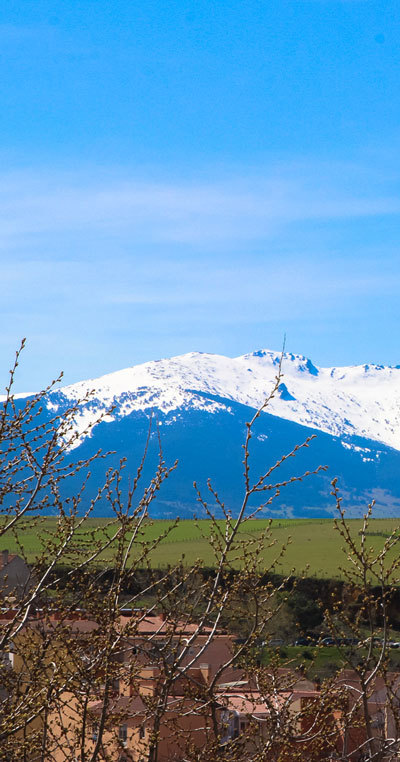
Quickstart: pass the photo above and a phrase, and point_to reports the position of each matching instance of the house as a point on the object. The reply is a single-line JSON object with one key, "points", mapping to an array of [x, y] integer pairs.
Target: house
{"points": [[15, 575], [167, 679], [181, 719]]}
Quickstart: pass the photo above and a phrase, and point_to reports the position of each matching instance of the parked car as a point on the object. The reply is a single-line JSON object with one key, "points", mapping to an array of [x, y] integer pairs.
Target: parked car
{"points": [[350, 641], [346, 641], [275, 642], [303, 642], [327, 641]]}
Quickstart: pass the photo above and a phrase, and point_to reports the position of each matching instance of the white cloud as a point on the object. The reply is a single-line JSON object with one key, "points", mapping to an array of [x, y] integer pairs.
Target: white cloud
{"points": [[192, 213], [93, 260]]}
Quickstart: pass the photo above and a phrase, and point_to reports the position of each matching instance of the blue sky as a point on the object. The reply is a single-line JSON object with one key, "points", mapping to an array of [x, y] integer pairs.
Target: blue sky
{"points": [[198, 175]]}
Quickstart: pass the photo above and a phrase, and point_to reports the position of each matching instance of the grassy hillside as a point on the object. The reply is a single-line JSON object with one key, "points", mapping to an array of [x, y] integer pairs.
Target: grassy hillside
{"points": [[314, 542]]}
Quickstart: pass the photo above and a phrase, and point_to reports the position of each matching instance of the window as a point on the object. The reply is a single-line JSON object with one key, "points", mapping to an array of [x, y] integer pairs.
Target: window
{"points": [[123, 733], [115, 685], [142, 731]]}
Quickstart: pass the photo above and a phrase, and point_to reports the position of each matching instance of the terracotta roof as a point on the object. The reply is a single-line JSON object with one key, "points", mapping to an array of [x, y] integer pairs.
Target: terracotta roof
{"points": [[150, 625], [247, 706], [74, 626], [135, 706], [252, 702], [130, 705]]}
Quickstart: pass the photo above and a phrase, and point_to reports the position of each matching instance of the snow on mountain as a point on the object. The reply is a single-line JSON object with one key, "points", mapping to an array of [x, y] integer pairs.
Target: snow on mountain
{"points": [[346, 401]]}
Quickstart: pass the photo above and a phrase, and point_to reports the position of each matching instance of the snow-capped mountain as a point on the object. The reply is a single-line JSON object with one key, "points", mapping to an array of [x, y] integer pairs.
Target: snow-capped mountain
{"points": [[202, 403], [359, 401]]}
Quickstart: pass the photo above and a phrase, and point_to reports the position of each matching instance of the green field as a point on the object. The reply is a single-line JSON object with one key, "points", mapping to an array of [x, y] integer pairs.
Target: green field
{"points": [[323, 660], [314, 542]]}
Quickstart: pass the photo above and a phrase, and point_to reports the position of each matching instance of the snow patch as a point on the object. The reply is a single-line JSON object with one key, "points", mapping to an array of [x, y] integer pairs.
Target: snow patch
{"points": [[350, 401]]}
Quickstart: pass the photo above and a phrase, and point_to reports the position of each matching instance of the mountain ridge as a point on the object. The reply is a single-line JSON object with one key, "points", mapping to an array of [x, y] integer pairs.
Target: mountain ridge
{"points": [[202, 403], [361, 400]]}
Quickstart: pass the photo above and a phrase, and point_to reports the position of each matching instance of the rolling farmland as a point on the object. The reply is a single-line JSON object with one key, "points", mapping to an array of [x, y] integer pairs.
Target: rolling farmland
{"points": [[314, 542]]}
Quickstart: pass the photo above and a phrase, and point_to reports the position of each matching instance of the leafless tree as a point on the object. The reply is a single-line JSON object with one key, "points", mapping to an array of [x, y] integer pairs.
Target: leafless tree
{"points": [[90, 674]]}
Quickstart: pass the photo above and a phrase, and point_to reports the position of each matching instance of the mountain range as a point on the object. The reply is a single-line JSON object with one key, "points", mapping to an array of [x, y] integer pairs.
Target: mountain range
{"points": [[202, 403]]}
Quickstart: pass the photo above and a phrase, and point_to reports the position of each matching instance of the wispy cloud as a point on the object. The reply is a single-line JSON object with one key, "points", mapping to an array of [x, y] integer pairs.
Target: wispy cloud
{"points": [[92, 260], [213, 212]]}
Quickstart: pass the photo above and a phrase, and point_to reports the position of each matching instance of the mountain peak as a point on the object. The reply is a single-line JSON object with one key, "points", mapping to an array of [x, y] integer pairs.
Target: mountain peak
{"points": [[360, 400], [201, 399], [302, 363]]}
